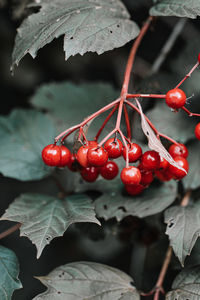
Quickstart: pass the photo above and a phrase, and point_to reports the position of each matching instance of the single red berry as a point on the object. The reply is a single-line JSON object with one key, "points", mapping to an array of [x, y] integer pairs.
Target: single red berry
{"points": [[199, 58], [73, 164], [134, 190], [150, 160], [147, 178], [92, 144], [82, 156], [134, 152], [131, 175], [197, 131], [163, 175], [109, 170], [113, 147], [90, 174], [56, 156], [178, 150], [175, 98], [97, 157], [183, 163], [163, 164]]}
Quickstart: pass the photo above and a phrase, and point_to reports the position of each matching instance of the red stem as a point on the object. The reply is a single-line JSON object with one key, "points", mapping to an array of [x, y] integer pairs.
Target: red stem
{"points": [[126, 146], [188, 75], [106, 121], [127, 120], [128, 96], [10, 230], [190, 113]]}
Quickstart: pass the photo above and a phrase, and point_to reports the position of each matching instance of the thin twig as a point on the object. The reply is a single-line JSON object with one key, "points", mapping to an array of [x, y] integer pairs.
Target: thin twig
{"points": [[10, 230]]}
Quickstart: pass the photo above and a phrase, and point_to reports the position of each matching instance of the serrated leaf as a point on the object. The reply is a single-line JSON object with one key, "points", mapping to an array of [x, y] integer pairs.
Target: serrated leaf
{"points": [[23, 135], [192, 180], [186, 285], [183, 228], [178, 8], [70, 103], [152, 201], [87, 25], [177, 125], [45, 217], [9, 271], [87, 280]]}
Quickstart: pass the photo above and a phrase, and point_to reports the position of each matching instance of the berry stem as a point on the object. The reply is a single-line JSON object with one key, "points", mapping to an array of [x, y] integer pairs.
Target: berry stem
{"points": [[127, 120], [107, 137], [126, 146], [10, 230], [188, 75], [106, 121], [190, 114], [128, 96], [73, 128]]}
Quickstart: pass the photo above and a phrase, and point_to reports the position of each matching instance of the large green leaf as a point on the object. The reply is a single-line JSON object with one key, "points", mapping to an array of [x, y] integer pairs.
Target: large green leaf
{"points": [[152, 201], [178, 8], [23, 134], [186, 285], [69, 104], [87, 25], [86, 280], [9, 271], [183, 228], [45, 217], [192, 180]]}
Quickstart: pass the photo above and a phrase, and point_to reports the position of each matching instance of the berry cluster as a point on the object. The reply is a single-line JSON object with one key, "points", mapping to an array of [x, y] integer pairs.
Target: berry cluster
{"points": [[92, 160]]}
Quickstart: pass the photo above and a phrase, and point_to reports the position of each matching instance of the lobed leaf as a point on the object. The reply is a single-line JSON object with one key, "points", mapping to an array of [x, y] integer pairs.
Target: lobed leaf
{"points": [[86, 280], [23, 135], [186, 285], [183, 228], [178, 8], [45, 217], [9, 271], [87, 25]]}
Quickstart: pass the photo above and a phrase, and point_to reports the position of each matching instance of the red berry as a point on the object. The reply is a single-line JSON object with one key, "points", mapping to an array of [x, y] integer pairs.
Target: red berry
{"points": [[113, 147], [131, 176], [177, 173], [178, 150], [147, 178], [163, 164], [109, 170], [163, 175], [73, 164], [82, 156], [197, 130], [175, 98], [56, 156], [199, 58], [134, 190], [90, 174], [92, 144], [150, 160], [134, 152], [97, 157]]}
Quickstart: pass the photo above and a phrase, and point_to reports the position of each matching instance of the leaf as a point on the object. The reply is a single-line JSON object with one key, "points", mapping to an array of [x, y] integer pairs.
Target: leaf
{"points": [[153, 142], [9, 271], [45, 217], [192, 180], [87, 26], [169, 123], [23, 135], [152, 201], [183, 228], [70, 104], [178, 8], [86, 280], [186, 285]]}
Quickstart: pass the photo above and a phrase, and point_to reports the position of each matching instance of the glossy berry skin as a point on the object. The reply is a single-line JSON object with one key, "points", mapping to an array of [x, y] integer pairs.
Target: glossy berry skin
{"points": [[199, 58], [109, 170], [82, 156], [150, 160], [92, 144], [134, 152], [131, 176], [163, 164], [134, 190], [175, 98], [97, 157], [113, 147], [163, 175], [147, 178], [177, 173], [197, 131], [178, 150], [90, 174], [56, 156]]}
